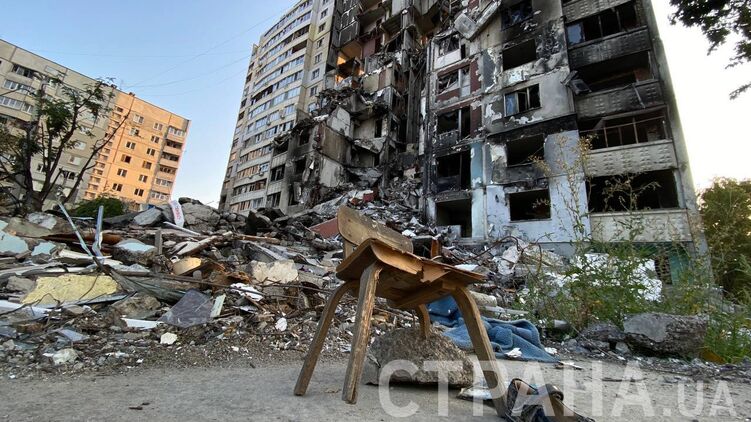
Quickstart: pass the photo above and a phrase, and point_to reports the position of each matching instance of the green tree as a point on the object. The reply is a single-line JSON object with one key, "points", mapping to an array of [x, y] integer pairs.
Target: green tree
{"points": [[112, 207], [726, 212], [720, 20], [44, 139]]}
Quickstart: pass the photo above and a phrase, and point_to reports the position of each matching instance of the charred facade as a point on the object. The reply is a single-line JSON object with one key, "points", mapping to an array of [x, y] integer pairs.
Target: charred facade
{"points": [[516, 117]]}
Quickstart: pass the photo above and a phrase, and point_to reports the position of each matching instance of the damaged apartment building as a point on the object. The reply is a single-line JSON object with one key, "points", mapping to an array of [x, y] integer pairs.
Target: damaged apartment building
{"points": [[554, 121]]}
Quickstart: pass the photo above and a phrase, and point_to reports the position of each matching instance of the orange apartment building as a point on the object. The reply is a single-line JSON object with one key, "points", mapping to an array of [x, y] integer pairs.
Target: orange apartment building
{"points": [[140, 163]]}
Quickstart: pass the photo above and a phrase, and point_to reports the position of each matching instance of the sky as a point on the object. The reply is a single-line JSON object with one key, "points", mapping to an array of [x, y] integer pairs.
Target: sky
{"points": [[190, 57]]}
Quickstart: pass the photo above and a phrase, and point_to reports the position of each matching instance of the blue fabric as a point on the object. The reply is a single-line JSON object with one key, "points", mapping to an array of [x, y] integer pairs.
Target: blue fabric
{"points": [[504, 335]]}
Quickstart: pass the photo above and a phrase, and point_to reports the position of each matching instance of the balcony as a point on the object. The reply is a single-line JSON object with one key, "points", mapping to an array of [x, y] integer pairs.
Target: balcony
{"points": [[609, 48], [637, 96], [171, 150], [656, 226], [578, 9], [636, 158]]}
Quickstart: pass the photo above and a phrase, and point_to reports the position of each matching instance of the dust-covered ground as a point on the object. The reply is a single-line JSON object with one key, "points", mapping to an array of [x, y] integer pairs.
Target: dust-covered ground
{"points": [[257, 384]]}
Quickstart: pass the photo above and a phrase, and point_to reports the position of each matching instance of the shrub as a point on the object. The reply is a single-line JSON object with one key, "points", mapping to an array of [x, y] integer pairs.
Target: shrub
{"points": [[112, 207]]}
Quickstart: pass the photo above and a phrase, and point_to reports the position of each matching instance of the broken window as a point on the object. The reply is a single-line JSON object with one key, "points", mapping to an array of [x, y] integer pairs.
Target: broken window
{"points": [[455, 213], [448, 44], [456, 120], [453, 171], [608, 22], [617, 72], [378, 129], [519, 54], [281, 148], [523, 100], [517, 13], [525, 150], [273, 200], [448, 82], [304, 137], [630, 192], [277, 173], [300, 166], [615, 132], [529, 205], [454, 80]]}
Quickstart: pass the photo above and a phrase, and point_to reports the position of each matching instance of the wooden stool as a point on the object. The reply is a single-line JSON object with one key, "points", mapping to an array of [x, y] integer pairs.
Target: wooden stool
{"points": [[379, 262]]}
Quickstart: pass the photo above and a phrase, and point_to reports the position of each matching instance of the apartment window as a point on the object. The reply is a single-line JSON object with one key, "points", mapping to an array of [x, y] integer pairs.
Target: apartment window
{"points": [[453, 171], [525, 150], [146, 165], [158, 126], [119, 109], [117, 187], [15, 86], [610, 21], [175, 131], [155, 139], [130, 145], [319, 43], [74, 160], [321, 27], [456, 120], [16, 104], [134, 131], [122, 172], [79, 145], [523, 100], [315, 74], [273, 200], [138, 192], [650, 190], [277, 173], [647, 127], [324, 13], [313, 91], [143, 178], [517, 14], [125, 158], [519, 54], [23, 71], [317, 58], [138, 118], [530, 205], [150, 151]]}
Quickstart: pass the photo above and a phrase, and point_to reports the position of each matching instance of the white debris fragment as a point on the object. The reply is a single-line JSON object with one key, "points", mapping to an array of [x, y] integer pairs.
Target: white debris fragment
{"points": [[247, 291], [168, 338], [64, 356], [551, 351], [281, 324], [515, 353]]}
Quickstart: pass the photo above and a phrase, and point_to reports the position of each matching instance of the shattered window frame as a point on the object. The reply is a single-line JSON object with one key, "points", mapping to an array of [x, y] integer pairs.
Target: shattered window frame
{"points": [[625, 16], [516, 14], [448, 44], [522, 100]]}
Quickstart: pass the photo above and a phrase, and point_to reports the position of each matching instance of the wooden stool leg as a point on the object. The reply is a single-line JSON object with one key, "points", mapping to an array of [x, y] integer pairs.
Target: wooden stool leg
{"points": [[481, 344], [423, 317], [365, 303], [320, 337]]}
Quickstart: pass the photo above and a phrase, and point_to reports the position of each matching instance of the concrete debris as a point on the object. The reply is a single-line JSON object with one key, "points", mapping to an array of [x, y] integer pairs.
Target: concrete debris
{"points": [[64, 356], [168, 338], [666, 334], [20, 284], [138, 306], [133, 251], [276, 272], [406, 344]]}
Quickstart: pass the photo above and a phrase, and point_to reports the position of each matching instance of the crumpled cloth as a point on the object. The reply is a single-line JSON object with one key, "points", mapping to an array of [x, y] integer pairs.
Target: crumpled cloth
{"points": [[504, 336]]}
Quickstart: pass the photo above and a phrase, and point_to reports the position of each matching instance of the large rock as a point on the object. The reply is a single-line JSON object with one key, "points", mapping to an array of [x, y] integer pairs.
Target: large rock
{"points": [[20, 284], [407, 344], [138, 306], [666, 334], [199, 217], [604, 332]]}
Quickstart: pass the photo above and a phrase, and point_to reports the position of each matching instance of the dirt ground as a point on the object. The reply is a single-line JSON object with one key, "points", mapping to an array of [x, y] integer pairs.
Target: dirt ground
{"points": [[264, 392]]}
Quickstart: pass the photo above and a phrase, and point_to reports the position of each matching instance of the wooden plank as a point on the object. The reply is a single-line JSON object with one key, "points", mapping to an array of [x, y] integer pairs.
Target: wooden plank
{"points": [[481, 344], [424, 295], [365, 304], [320, 338], [357, 228]]}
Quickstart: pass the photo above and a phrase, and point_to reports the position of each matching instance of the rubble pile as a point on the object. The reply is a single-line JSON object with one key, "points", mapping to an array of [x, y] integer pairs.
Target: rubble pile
{"points": [[182, 283]]}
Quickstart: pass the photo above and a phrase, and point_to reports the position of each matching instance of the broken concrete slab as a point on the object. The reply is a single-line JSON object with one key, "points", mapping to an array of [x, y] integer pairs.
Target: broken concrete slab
{"points": [[604, 331], [11, 244], [70, 288], [150, 217], [199, 217], [666, 334], [283, 271], [20, 284], [132, 251], [49, 222], [408, 345]]}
